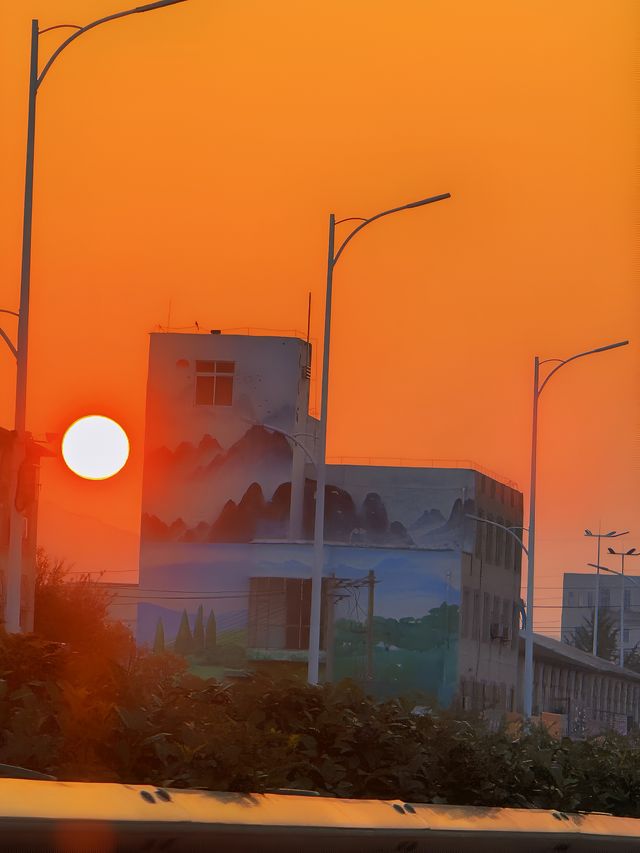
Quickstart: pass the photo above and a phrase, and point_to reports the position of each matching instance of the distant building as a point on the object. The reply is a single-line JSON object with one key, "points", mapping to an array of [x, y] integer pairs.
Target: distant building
{"points": [[586, 695], [578, 604], [227, 525]]}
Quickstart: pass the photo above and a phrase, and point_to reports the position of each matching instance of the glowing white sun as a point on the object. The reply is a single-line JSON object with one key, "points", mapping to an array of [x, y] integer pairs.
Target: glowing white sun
{"points": [[95, 447]]}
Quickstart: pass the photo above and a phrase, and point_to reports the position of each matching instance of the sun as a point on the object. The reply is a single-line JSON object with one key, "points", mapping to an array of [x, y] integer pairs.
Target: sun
{"points": [[95, 447]]}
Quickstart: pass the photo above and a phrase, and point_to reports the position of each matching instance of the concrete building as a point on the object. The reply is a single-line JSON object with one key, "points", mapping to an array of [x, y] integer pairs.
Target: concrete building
{"points": [[26, 499], [417, 596], [578, 604], [586, 695]]}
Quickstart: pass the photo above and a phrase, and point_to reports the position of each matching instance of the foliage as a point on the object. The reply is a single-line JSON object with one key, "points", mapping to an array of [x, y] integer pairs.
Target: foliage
{"points": [[183, 644], [158, 640], [607, 636], [198, 632], [75, 612], [211, 634], [151, 722]]}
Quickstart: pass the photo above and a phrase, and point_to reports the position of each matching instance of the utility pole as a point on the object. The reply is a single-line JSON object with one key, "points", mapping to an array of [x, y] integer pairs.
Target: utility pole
{"points": [[371, 583]]}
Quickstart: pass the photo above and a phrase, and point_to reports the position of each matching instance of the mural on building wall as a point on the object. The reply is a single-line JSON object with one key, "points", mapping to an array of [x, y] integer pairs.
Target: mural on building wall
{"points": [[258, 599]]}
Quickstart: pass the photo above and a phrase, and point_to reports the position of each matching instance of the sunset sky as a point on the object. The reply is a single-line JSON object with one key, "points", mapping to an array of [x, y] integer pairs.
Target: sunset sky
{"points": [[186, 164]]}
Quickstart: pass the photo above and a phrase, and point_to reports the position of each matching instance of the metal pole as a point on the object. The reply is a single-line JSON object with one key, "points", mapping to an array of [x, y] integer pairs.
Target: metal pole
{"points": [[313, 671], [528, 642], [622, 614], [596, 616], [16, 529]]}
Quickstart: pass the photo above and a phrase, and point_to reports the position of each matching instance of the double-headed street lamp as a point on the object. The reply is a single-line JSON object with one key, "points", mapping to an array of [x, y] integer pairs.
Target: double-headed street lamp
{"points": [[612, 534], [20, 350], [318, 540], [632, 552], [538, 388]]}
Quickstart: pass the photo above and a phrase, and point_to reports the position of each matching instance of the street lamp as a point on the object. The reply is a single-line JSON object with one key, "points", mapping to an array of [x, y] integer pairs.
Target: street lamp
{"points": [[632, 552], [14, 567], [538, 388], [612, 534], [318, 538]]}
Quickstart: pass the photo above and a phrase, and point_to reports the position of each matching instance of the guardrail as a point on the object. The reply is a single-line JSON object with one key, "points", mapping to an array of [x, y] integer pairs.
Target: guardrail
{"points": [[82, 816]]}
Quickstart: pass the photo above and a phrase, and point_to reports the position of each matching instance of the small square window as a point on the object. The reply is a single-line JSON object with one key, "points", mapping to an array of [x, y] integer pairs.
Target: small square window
{"points": [[225, 366], [205, 367]]}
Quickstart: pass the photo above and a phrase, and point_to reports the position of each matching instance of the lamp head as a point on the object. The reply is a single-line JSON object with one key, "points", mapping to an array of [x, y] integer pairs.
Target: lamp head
{"points": [[588, 533], [611, 551]]}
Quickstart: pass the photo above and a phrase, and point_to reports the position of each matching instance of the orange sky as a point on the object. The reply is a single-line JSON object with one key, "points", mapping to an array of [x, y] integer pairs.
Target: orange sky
{"points": [[191, 156]]}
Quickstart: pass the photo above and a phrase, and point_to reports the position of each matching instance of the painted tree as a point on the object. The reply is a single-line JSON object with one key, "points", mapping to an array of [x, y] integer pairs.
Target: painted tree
{"points": [[211, 636], [184, 640], [198, 632], [607, 636], [158, 642]]}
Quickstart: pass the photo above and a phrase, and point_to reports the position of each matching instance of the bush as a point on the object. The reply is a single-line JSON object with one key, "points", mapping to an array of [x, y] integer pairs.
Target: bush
{"points": [[152, 722]]}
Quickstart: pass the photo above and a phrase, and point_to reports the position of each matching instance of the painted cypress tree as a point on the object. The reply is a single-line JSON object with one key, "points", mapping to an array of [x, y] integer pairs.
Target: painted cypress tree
{"points": [[158, 642], [184, 641], [211, 637], [198, 632]]}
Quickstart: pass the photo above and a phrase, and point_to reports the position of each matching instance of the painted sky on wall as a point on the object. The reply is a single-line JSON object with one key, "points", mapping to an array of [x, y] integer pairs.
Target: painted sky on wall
{"points": [[187, 160]]}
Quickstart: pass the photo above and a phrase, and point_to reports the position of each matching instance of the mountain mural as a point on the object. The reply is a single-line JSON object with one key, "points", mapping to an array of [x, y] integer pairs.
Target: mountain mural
{"points": [[180, 482], [255, 517]]}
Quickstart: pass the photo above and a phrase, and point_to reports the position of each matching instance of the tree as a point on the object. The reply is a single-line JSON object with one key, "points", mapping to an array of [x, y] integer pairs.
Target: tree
{"points": [[198, 632], [211, 636], [183, 644], [158, 642], [75, 612], [607, 636]]}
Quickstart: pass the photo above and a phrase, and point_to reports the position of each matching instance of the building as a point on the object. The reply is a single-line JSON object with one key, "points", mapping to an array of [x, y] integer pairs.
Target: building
{"points": [[578, 604], [416, 596], [582, 694], [26, 500]]}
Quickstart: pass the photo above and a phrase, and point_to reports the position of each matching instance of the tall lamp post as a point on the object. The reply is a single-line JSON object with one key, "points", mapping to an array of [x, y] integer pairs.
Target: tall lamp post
{"points": [[538, 388], [20, 351], [612, 534], [632, 552], [313, 671]]}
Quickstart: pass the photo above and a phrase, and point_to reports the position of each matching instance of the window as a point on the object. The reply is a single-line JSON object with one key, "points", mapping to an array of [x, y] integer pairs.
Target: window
{"points": [[625, 636], [464, 627], [475, 624], [492, 489], [486, 618], [500, 534], [570, 599], [509, 542], [479, 535], [590, 599], [279, 613], [605, 597], [627, 599], [214, 383], [489, 541]]}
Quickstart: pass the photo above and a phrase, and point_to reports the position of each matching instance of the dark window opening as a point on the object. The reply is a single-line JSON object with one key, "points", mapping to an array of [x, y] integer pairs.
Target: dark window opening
{"points": [[214, 383]]}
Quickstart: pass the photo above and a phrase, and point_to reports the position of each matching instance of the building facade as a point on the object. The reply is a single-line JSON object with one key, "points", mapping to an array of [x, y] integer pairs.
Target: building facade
{"points": [[416, 595], [578, 605], [26, 500]]}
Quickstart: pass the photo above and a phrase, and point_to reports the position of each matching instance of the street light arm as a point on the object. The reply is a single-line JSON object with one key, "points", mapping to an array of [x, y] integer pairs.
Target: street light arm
{"points": [[5, 337], [509, 530], [579, 355], [615, 572], [371, 219], [6, 311], [147, 8]]}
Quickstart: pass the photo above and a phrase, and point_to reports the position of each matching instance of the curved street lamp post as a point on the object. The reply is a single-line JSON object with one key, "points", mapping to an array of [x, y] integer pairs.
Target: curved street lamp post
{"points": [[313, 671], [612, 534], [538, 388], [20, 350], [632, 552]]}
